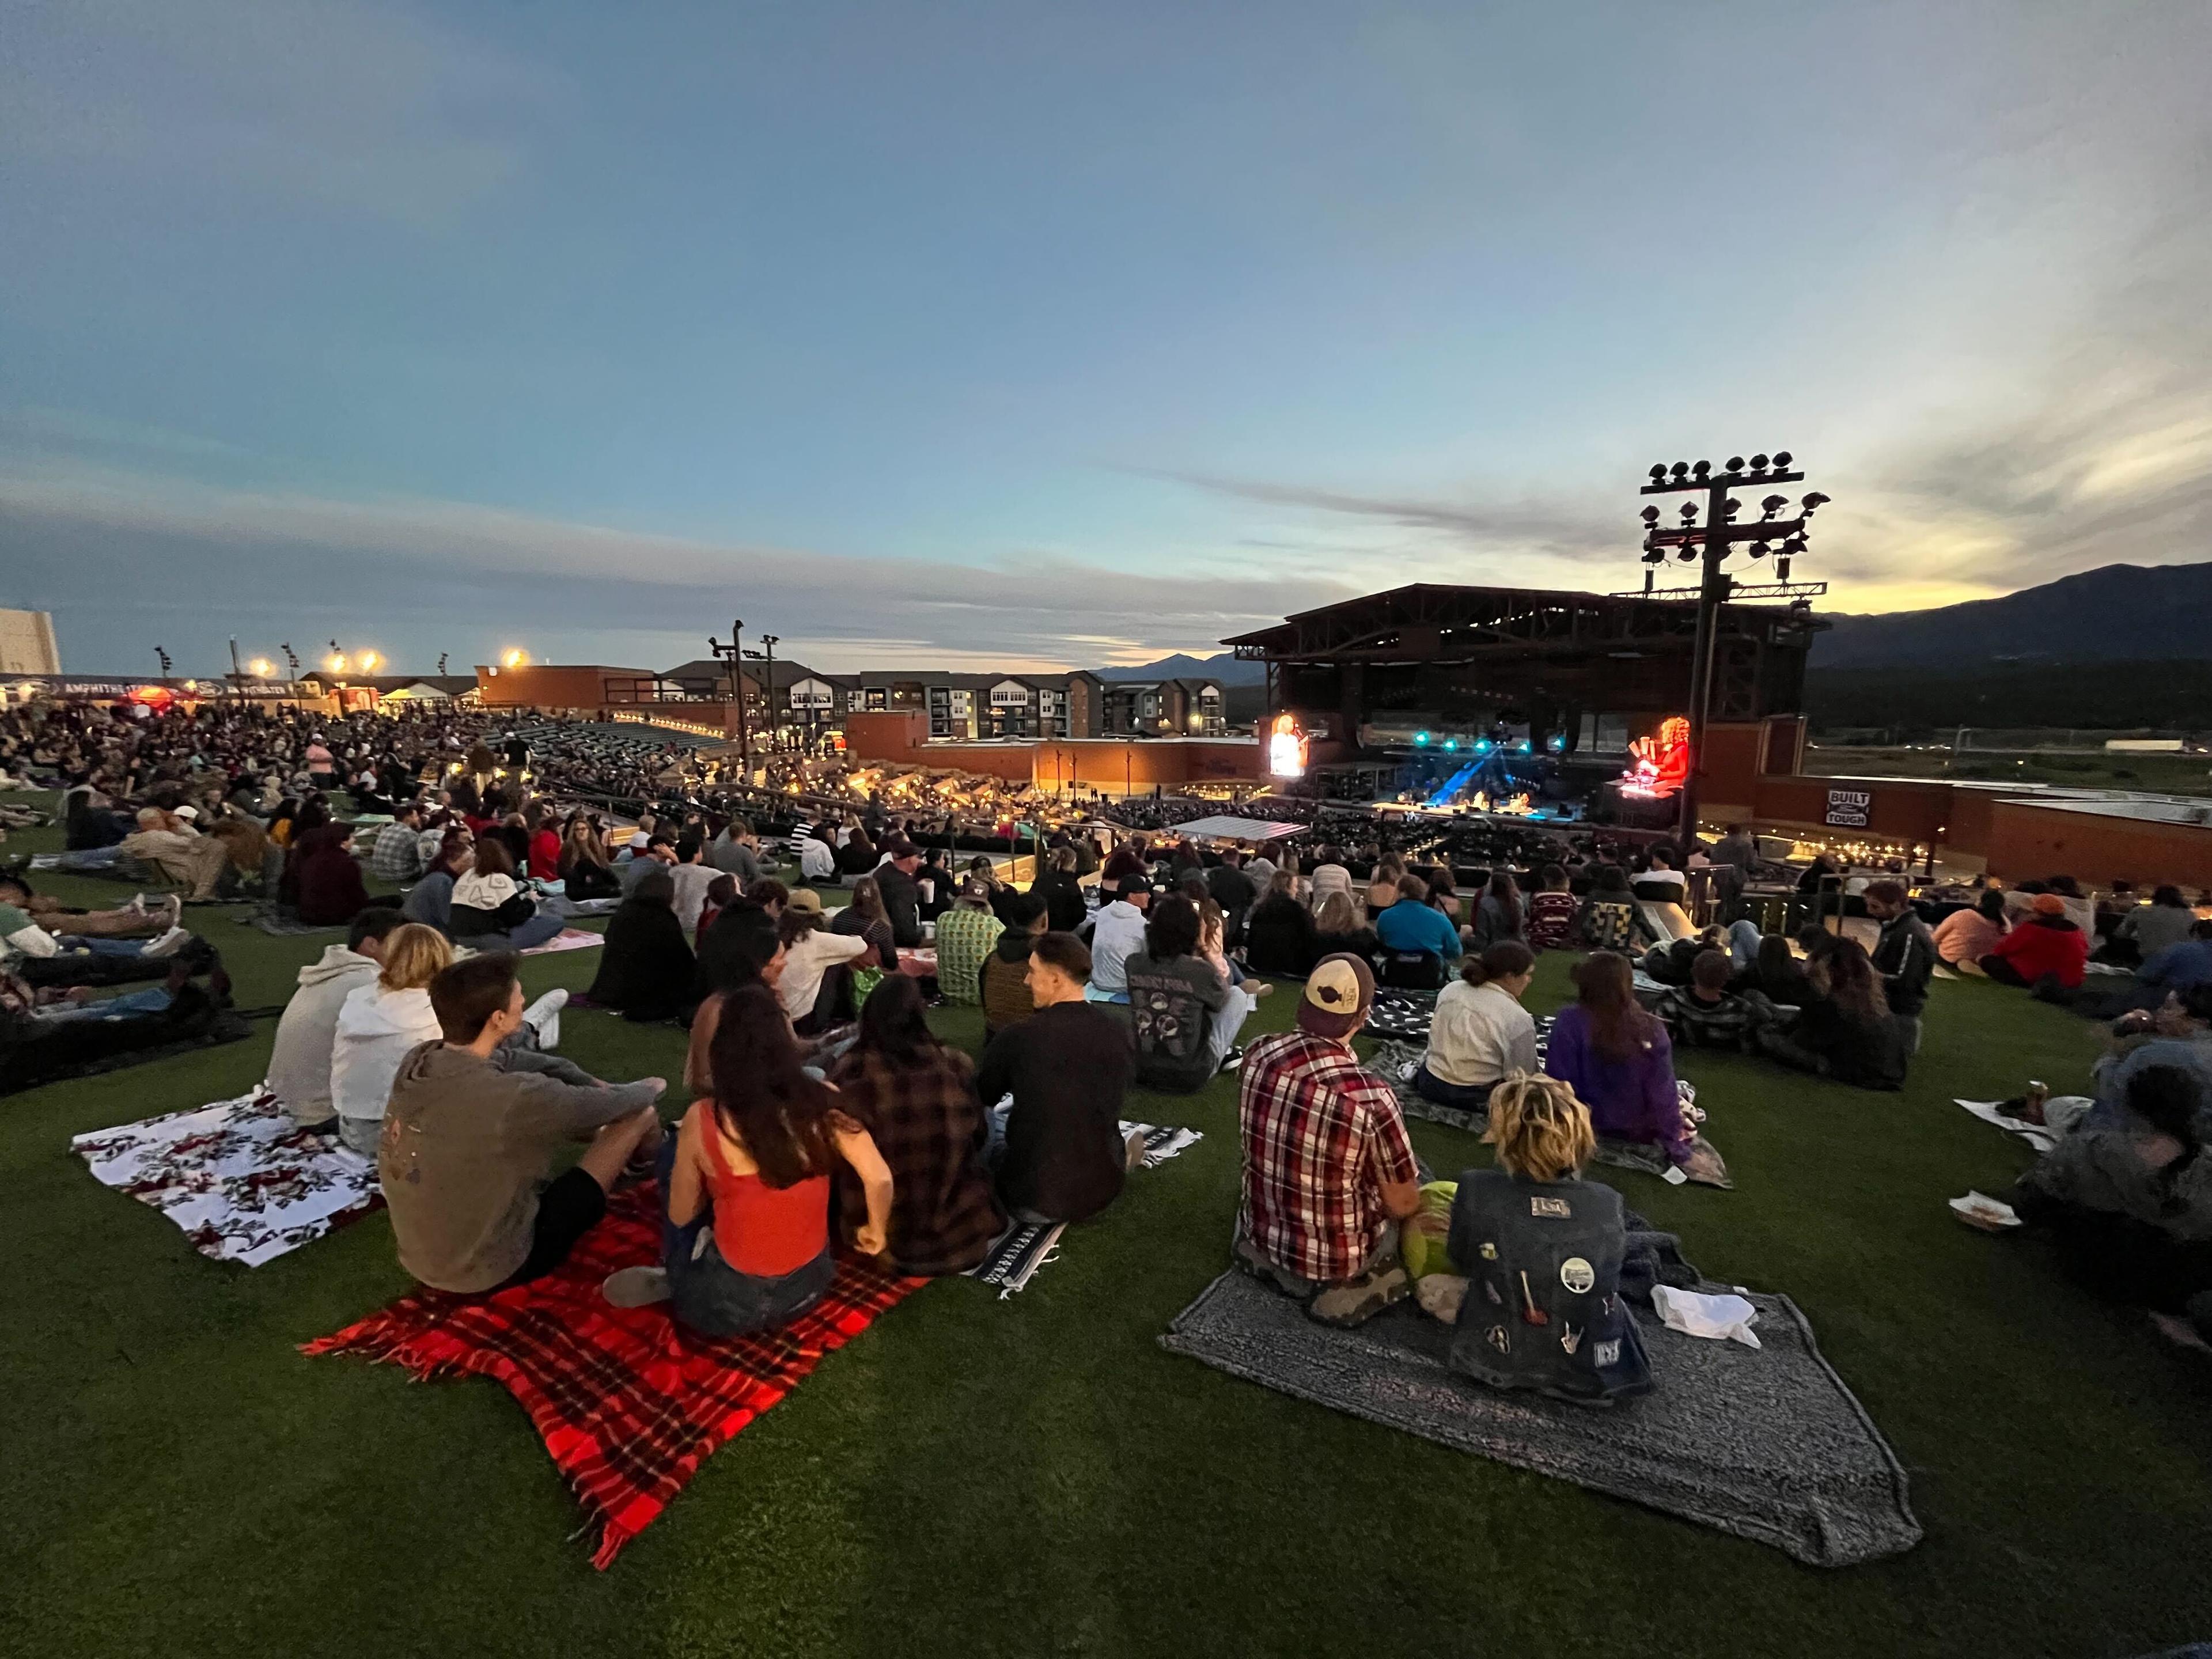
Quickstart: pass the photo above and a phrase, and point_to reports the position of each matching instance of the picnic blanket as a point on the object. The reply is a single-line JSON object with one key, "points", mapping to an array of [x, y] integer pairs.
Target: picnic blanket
{"points": [[1402, 1016], [1016, 1254], [562, 905], [2035, 1135], [629, 1403], [568, 938], [243, 1180], [1765, 1444]]}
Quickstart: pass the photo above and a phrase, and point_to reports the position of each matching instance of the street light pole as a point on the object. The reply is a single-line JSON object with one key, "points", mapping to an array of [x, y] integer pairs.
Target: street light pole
{"points": [[735, 653], [1710, 543]]}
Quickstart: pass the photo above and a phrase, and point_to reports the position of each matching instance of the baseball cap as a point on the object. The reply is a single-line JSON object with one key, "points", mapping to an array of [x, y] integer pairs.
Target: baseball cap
{"points": [[1338, 993], [804, 898], [188, 812], [1131, 885]]}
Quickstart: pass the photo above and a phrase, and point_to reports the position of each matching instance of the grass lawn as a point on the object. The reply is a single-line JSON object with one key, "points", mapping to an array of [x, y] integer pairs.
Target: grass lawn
{"points": [[1036, 1475]]}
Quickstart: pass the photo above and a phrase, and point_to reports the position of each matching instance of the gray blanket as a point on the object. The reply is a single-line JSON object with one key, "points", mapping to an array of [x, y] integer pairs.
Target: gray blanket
{"points": [[1767, 1444]]}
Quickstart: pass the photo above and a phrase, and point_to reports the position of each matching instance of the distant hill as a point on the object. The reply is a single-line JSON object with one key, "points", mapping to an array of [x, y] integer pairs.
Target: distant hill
{"points": [[1224, 667], [2121, 613]]}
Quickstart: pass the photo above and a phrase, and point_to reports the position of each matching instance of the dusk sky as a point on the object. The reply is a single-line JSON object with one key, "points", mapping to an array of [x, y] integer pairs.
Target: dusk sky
{"points": [[1029, 334]]}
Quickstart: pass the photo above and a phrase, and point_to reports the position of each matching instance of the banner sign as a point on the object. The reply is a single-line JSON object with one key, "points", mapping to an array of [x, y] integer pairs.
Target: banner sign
{"points": [[1850, 809]]}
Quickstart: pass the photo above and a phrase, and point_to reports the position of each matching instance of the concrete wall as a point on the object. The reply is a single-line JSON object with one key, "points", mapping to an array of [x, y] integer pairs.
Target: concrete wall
{"points": [[2027, 842], [548, 685]]}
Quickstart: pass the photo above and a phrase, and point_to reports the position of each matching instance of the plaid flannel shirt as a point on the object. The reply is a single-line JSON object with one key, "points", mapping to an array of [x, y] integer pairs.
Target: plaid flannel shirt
{"points": [[964, 938], [1321, 1136], [927, 1124], [398, 855], [1696, 1025]]}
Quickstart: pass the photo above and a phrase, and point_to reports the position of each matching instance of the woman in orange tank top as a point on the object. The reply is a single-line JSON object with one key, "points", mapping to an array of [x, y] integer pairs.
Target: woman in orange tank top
{"points": [[745, 1242]]}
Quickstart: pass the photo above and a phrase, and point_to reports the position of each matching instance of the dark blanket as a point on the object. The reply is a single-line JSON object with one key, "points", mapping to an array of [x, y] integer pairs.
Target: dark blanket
{"points": [[89, 1047], [1765, 1443]]}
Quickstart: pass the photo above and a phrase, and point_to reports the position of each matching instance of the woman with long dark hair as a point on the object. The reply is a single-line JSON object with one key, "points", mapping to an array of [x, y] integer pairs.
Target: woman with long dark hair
{"points": [[1499, 916], [1846, 1031], [745, 1242], [646, 965], [916, 1099], [867, 916], [1618, 1059]]}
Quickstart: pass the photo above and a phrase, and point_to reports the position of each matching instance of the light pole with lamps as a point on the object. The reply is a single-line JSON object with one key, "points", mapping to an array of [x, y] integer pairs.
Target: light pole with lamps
{"points": [[733, 653], [1711, 542]]}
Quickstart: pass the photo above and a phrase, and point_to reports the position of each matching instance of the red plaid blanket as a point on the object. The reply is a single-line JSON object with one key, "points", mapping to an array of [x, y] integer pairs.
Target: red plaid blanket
{"points": [[629, 1403]]}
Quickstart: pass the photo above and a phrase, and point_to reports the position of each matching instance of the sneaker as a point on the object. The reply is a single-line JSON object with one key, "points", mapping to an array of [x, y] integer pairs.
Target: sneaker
{"points": [[1360, 1299], [636, 1287], [167, 944], [1259, 988], [542, 1017], [1233, 1060], [138, 905]]}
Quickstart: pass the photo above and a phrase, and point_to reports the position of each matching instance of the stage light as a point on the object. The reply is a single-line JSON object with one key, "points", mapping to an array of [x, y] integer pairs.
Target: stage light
{"points": [[1651, 515], [1689, 511], [1781, 460], [1815, 501], [1681, 469], [1421, 738], [1686, 555], [1759, 464], [1524, 746], [1483, 747], [1659, 473], [1761, 550], [1735, 464], [1774, 504], [1702, 468]]}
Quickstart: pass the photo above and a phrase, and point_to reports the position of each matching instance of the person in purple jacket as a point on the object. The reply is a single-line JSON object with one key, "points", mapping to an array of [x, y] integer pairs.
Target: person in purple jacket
{"points": [[1619, 1062]]}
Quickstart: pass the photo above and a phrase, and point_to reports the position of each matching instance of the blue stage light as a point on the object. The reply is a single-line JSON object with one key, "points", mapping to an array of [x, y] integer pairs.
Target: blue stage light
{"points": [[1420, 737], [1524, 746], [1451, 742], [1482, 748]]}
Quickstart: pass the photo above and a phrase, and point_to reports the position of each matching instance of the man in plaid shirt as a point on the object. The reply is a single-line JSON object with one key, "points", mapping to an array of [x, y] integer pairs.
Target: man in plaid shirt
{"points": [[398, 854], [1327, 1169], [965, 934]]}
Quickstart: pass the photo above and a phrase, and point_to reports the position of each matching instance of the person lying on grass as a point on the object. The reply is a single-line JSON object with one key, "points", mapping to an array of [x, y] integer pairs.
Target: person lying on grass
{"points": [[470, 1134], [137, 920], [745, 1244], [2129, 1203], [1529, 1271], [1327, 1169]]}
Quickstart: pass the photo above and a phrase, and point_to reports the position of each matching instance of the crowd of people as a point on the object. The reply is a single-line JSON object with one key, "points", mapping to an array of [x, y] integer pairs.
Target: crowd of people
{"points": [[824, 1110]]}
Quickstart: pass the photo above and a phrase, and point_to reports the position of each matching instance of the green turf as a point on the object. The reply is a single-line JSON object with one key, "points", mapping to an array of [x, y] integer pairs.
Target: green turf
{"points": [[1035, 1475]]}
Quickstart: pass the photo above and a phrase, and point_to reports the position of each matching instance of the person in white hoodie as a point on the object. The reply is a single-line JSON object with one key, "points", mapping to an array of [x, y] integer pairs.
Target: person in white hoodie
{"points": [[300, 1063], [491, 910], [378, 1024]]}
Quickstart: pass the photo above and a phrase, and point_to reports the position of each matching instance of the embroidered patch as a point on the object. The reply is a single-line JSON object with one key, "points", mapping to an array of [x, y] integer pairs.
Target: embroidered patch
{"points": [[1606, 1353], [1498, 1339], [1489, 1253], [1569, 1339], [1558, 1207], [1578, 1275]]}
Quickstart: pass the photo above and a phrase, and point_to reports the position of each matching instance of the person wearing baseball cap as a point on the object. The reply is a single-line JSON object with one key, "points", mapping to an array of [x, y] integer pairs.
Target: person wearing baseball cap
{"points": [[1117, 933], [2047, 944], [1328, 1171]]}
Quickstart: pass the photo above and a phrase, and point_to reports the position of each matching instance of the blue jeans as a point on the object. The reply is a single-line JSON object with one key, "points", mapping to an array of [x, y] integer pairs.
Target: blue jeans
{"points": [[1743, 944], [90, 858], [100, 947], [130, 1005], [712, 1298]]}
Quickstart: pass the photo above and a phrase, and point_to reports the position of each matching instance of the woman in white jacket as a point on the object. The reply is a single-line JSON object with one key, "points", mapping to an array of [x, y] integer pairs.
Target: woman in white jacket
{"points": [[378, 1024]]}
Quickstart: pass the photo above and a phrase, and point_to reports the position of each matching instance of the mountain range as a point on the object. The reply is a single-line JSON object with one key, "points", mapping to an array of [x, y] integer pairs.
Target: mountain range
{"points": [[1222, 666], [2120, 613]]}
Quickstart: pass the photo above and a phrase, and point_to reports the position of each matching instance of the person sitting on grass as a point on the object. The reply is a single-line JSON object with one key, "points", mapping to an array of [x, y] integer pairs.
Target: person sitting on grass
{"points": [[1480, 1034], [1340, 929], [1551, 922], [965, 934], [645, 966], [1058, 1153], [307, 1033], [1846, 1031], [1904, 955], [865, 919], [379, 1024], [1607, 920], [488, 899], [811, 952], [916, 1098], [1003, 981], [1278, 932], [1704, 1013], [1620, 1064], [1116, 933], [430, 901], [2046, 949], [1185, 1014], [1327, 1170], [2129, 1202], [466, 1155], [584, 870], [745, 1244], [721, 893], [1964, 937], [1541, 1249], [1062, 893], [396, 855], [1413, 924]]}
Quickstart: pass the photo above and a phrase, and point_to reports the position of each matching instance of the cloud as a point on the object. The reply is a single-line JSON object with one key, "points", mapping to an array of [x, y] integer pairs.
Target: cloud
{"points": [[1558, 528], [327, 103], [127, 561]]}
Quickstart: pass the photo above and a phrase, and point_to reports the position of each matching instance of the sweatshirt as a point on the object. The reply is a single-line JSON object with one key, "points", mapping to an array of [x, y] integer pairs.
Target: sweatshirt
{"points": [[376, 1029], [465, 1146], [300, 1063]]}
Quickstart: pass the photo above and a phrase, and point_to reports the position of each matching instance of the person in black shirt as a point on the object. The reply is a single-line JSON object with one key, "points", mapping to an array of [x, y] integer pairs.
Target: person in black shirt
{"points": [[645, 966], [901, 895], [1905, 957], [1232, 890], [1061, 890], [1067, 1065]]}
